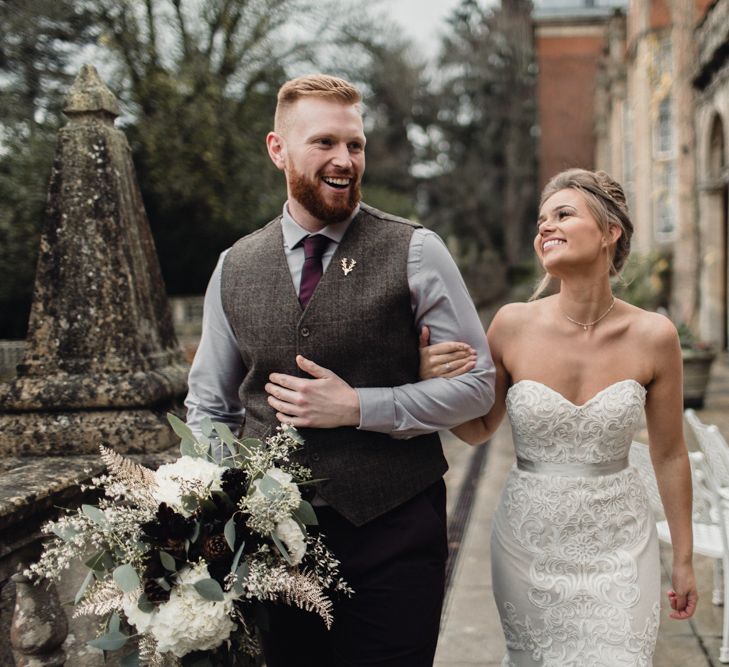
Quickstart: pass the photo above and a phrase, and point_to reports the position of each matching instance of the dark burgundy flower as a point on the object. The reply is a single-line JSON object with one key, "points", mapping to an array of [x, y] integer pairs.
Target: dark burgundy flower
{"points": [[155, 593], [234, 483], [168, 529]]}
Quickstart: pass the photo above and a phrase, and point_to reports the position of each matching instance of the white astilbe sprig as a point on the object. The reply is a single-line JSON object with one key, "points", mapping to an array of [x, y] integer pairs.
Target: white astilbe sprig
{"points": [[277, 450], [326, 566], [102, 599], [75, 534], [246, 639]]}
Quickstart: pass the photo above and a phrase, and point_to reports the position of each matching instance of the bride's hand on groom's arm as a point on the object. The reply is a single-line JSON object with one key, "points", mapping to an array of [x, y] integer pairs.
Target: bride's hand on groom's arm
{"points": [[449, 359]]}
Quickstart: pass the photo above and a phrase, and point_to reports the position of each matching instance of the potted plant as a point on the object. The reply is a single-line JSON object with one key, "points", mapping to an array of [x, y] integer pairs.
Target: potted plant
{"points": [[698, 356]]}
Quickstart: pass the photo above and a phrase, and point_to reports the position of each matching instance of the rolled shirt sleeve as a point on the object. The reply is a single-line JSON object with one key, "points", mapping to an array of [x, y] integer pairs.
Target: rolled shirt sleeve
{"points": [[440, 301], [217, 370]]}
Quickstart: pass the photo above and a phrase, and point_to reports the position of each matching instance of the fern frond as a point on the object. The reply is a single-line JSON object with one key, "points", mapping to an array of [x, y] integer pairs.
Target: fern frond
{"points": [[127, 472], [103, 598], [148, 654], [303, 590]]}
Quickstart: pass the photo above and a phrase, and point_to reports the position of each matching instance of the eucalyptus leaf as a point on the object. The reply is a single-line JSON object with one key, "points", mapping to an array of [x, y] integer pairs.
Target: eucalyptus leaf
{"points": [[225, 434], [206, 426], [96, 515], [236, 558], [180, 428], [210, 590], [111, 641], [131, 660], [208, 505], [187, 448], [250, 445], [114, 623], [66, 533], [143, 604], [229, 532], [242, 571], [268, 485], [99, 561], [195, 532], [84, 585], [189, 502], [292, 433], [280, 545], [163, 583], [168, 562], [126, 578], [306, 514]]}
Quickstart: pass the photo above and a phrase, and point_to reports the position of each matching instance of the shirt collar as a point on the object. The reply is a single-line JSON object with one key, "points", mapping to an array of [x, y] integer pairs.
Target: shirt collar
{"points": [[294, 233]]}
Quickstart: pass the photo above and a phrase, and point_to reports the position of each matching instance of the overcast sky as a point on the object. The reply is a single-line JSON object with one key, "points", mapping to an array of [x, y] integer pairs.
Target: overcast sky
{"points": [[422, 20]]}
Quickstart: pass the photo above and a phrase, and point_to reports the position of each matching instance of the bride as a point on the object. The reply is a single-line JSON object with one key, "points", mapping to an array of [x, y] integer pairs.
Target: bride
{"points": [[574, 551]]}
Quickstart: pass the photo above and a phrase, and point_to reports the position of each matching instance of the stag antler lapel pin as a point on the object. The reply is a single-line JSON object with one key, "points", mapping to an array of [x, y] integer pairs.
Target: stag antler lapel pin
{"points": [[348, 265]]}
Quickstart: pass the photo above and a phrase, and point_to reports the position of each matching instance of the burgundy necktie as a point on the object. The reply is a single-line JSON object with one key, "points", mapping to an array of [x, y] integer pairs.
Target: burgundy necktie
{"points": [[314, 248]]}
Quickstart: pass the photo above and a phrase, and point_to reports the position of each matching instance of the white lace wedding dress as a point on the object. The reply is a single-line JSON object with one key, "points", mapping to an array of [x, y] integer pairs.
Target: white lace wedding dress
{"points": [[574, 550]]}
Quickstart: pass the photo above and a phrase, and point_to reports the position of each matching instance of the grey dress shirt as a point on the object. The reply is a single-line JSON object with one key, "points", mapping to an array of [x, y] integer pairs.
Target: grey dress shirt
{"points": [[439, 300]]}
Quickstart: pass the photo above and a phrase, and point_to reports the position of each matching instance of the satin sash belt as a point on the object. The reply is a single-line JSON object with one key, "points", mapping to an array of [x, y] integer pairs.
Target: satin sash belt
{"points": [[572, 469]]}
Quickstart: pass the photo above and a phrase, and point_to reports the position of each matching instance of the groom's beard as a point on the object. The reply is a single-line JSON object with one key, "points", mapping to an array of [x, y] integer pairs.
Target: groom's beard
{"points": [[307, 193]]}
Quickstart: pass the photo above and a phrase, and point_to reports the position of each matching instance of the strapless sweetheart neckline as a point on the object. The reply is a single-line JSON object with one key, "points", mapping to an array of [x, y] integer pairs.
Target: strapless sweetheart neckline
{"points": [[567, 400]]}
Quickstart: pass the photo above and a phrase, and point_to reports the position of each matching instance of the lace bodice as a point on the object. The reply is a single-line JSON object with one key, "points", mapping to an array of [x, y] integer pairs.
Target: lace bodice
{"points": [[547, 427]]}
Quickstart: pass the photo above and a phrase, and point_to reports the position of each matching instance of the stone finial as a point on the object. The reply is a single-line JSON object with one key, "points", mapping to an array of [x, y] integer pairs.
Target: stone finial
{"points": [[90, 95], [102, 362], [39, 626]]}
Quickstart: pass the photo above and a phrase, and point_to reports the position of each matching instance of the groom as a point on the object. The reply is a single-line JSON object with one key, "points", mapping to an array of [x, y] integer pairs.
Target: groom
{"points": [[313, 320]]}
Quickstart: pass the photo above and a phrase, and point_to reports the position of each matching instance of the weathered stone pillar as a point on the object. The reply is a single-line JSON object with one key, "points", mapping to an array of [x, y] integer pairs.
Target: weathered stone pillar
{"points": [[39, 625], [102, 362]]}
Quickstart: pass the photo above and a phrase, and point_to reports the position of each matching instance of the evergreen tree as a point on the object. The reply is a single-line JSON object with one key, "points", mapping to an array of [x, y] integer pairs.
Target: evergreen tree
{"points": [[37, 39], [482, 151]]}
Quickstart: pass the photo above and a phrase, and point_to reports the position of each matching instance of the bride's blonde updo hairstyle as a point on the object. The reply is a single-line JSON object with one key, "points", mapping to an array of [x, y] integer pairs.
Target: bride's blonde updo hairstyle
{"points": [[606, 200]]}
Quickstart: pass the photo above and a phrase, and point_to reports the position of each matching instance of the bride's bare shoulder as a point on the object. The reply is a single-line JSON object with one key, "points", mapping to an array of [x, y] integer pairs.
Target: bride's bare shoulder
{"points": [[652, 327], [513, 316]]}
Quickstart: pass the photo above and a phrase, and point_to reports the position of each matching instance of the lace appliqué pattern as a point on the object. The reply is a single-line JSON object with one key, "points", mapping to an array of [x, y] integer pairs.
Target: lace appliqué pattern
{"points": [[581, 536]]}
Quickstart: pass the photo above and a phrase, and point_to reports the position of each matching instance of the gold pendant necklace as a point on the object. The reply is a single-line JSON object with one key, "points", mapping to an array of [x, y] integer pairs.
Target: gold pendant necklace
{"points": [[585, 325]]}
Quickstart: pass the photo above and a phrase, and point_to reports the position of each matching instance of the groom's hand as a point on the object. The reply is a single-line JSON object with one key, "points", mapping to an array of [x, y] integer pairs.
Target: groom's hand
{"points": [[326, 401]]}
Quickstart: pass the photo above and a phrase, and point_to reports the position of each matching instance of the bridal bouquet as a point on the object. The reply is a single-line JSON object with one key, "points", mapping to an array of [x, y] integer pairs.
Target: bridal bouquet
{"points": [[184, 553]]}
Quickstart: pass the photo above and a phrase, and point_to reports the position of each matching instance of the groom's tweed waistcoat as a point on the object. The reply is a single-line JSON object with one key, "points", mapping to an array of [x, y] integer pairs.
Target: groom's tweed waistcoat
{"points": [[358, 325]]}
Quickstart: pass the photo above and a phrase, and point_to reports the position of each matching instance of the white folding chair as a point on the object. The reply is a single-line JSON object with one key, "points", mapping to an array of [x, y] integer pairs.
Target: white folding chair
{"points": [[715, 542]]}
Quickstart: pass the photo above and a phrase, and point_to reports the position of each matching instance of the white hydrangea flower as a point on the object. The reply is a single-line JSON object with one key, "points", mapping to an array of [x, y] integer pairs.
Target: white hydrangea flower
{"points": [[187, 621], [138, 618], [198, 471], [290, 533]]}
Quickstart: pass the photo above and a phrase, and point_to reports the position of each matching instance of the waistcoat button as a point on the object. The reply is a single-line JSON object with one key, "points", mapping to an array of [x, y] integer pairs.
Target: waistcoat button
{"points": [[315, 457], [305, 331]]}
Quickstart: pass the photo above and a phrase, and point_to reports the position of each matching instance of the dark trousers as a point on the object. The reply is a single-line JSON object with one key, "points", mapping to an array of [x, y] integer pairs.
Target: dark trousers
{"points": [[396, 566]]}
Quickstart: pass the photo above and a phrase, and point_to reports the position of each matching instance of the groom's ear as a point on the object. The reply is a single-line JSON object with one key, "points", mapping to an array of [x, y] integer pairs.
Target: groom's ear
{"points": [[276, 146]]}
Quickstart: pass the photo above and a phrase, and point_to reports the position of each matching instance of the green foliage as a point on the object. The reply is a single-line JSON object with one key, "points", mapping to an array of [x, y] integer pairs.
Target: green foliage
{"points": [[24, 172], [198, 83], [481, 147], [645, 280], [35, 40]]}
